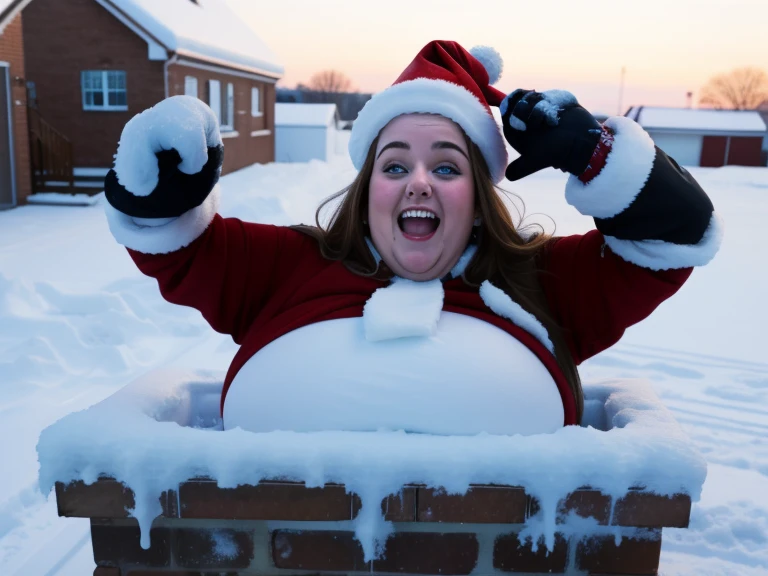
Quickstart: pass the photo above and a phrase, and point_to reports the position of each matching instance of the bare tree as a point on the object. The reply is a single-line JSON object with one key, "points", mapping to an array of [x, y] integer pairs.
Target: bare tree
{"points": [[331, 81], [739, 89]]}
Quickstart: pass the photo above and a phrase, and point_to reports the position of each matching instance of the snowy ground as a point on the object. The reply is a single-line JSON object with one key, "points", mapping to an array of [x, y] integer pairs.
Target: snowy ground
{"points": [[77, 322]]}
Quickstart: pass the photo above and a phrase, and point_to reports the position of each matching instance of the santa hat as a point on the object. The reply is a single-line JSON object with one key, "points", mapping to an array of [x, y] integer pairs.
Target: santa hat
{"points": [[443, 79]]}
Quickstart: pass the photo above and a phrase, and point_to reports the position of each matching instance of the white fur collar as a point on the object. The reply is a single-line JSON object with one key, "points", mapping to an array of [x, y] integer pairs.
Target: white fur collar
{"points": [[406, 308]]}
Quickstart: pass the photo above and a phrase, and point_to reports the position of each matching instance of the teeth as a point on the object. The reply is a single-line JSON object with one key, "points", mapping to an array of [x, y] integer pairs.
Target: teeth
{"points": [[417, 214]]}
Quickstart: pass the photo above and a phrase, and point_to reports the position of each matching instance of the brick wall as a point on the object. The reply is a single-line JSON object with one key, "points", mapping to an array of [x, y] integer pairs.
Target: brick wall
{"points": [[65, 37], [276, 528], [244, 149], [12, 51]]}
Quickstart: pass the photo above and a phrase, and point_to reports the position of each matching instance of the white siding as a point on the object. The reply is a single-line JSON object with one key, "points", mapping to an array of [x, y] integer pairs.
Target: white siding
{"points": [[684, 148], [301, 144]]}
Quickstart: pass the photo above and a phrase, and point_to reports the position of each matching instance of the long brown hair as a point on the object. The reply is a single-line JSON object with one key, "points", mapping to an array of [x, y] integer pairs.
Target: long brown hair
{"points": [[503, 256]]}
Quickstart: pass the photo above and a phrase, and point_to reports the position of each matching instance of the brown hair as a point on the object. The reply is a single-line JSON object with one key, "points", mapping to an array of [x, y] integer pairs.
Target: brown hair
{"points": [[503, 256]]}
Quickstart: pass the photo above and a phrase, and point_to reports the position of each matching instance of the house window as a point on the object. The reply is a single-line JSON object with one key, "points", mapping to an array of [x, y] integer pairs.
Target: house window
{"points": [[221, 99], [214, 97], [255, 102], [104, 90], [190, 86], [228, 112]]}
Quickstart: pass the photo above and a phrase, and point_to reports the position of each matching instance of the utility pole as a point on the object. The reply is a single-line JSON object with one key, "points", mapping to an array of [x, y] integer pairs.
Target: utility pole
{"points": [[621, 90]]}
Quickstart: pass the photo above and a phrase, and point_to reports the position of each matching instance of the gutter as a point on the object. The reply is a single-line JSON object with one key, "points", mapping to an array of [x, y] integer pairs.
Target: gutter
{"points": [[172, 60]]}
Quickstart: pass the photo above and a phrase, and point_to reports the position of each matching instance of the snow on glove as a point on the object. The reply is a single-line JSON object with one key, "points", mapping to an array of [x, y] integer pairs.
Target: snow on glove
{"points": [[168, 160], [548, 129]]}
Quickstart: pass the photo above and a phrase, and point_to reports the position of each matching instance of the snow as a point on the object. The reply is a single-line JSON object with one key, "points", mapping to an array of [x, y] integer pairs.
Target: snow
{"points": [[63, 199], [149, 437], [184, 123], [694, 119], [305, 115], [206, 29], [78, 322]]}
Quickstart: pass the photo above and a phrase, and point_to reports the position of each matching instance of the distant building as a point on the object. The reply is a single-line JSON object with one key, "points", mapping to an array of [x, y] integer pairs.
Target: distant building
{"points": [[89, 66], [705, 137], [348, 104], [305, 132]]}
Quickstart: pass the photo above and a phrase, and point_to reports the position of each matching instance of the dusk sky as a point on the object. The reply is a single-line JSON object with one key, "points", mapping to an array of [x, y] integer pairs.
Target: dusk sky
{"points": [[667, 46]]}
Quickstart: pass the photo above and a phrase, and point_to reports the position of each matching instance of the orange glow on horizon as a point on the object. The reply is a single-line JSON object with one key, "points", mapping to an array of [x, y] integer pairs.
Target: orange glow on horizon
{"points": [[669, 47]]}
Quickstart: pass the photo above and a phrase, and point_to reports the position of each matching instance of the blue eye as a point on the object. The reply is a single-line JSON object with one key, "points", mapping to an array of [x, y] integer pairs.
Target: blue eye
{"points": [[447, 171], [395, 169]]}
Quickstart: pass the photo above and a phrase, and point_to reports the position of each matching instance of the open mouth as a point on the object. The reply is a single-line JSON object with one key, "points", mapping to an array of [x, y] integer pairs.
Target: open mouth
{"points": [[418, 224]]}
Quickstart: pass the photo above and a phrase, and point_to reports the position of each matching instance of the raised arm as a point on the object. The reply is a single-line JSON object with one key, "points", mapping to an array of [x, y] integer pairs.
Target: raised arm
{"points": [[654, 222], [163, 199]]}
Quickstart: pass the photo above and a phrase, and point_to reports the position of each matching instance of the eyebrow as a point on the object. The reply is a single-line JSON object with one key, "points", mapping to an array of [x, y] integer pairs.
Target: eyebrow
{"points": [[444, 144], [441, 144], [395, 144]]}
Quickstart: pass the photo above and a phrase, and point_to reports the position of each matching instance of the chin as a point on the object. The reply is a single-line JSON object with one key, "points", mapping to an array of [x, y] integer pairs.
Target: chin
{"points": [[421, 267]]}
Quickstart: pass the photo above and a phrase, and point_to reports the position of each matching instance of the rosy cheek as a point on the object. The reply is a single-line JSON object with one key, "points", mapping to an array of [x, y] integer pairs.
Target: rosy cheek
{"points": [[382, 195]]}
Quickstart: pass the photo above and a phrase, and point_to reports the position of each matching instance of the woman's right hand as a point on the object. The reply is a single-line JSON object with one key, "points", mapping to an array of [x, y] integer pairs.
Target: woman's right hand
{"points": [[168, 160]]}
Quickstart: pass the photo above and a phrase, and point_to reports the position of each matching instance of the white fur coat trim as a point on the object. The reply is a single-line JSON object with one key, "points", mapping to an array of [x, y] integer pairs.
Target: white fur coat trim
{"points": [[660, 255], [406, 308], [429, 96], [138, 234], [498, 301], [403, 309], [626, 171]]}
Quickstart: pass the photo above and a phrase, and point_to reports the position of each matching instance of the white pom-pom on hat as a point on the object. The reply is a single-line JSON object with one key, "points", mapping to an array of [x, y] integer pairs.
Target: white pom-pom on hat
{"points": [[491, 61]]}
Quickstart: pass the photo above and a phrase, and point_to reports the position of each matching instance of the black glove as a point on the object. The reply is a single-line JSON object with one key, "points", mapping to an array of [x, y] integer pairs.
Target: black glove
{"points": [[548, 129], [180, 132], [175, 193]]}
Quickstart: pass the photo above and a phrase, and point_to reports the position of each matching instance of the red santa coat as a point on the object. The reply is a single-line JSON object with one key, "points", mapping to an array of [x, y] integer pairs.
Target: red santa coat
{"points": [[258, 282]]}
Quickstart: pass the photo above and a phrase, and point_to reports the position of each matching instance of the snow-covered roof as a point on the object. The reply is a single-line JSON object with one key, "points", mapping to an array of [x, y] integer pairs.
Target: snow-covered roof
{"points": [[699, 120], [9, 9], [205, 29], [295, 114]]}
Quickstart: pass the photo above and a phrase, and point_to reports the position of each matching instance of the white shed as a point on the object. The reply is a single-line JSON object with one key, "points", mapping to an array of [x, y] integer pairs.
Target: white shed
{"points": [[305, 132], [705, 137]]}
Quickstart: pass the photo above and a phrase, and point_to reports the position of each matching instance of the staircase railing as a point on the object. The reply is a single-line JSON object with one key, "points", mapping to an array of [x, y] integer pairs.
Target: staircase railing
{"points": [[51, 156]]}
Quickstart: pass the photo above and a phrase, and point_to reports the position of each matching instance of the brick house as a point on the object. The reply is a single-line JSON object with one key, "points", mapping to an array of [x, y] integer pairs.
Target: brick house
{"points": [[110, 59], [15, 180]]}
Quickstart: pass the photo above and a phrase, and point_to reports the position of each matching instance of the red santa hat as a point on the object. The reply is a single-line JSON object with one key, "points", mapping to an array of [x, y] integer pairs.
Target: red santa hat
{"points": [[443, 79]]}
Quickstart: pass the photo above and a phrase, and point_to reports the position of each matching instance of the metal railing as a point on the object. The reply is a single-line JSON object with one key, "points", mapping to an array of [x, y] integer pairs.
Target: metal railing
{"points": [[51, 156]]}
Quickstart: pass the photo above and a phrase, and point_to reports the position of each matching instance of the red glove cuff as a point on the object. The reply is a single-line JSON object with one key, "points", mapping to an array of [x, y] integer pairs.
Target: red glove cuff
{"points": [[599, 156]]}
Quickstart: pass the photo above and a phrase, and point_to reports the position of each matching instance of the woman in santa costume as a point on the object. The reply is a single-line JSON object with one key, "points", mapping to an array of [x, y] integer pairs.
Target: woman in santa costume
{"points": [[420, 292]]}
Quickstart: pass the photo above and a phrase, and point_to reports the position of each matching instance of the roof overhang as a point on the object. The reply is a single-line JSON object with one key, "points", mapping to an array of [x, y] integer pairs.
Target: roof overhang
{"points": [[193, 58], [700, 132], [10, 12], [156, 49]]}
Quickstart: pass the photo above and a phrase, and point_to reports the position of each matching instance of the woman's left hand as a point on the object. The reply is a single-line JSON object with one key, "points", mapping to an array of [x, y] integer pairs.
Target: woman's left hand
{"points": [[548, 129]]}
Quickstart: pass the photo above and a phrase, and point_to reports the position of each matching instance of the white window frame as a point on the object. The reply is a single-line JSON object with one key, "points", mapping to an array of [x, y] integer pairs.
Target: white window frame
{"points": [[214, 98], [190, 86], [256, 102], [106, 107], [229, 108]]}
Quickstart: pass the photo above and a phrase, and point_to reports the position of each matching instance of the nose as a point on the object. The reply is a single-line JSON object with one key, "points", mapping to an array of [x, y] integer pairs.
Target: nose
{"points": [[418, 185]]}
